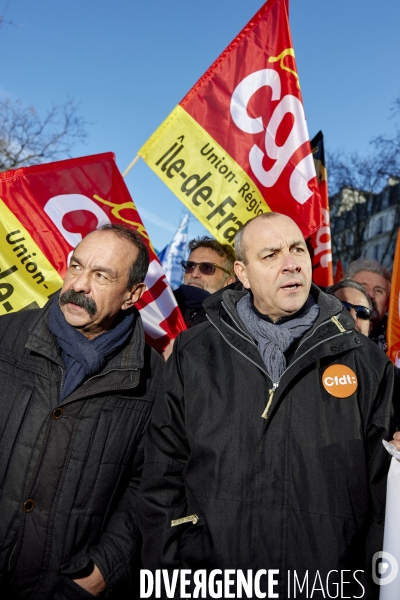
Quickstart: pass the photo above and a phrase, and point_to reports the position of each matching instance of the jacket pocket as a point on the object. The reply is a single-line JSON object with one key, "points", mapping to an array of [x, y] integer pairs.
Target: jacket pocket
{"points": [[12, 556], [12, 426], [92, 460], [194, 545], [69, 590]]}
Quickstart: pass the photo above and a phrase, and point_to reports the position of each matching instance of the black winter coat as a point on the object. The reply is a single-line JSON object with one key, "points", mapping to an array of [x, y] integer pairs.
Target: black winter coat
{"points": [[302, 489], [69, 472], [190, 302]]}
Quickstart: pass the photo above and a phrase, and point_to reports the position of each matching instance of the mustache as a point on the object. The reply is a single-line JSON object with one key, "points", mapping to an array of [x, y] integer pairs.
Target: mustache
{"points": [[80, 299], [196, 281]]}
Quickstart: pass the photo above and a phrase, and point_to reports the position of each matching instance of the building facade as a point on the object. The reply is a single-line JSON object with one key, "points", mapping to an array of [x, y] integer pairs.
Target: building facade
{"points": [[365, 224]]}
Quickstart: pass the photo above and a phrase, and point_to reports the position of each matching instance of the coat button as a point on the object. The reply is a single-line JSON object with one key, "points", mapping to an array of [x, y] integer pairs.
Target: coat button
{"points": [[28, 505], [334, 348], [57, 413], [357, 340]]}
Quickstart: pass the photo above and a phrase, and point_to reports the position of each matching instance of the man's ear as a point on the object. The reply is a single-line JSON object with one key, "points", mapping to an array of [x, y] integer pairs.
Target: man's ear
{"points": [[133, 295], [241, 273]]}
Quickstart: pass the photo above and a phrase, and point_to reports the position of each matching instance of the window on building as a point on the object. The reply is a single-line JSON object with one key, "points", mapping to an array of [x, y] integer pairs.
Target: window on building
{"points": [[376, 252], [380, 224]]}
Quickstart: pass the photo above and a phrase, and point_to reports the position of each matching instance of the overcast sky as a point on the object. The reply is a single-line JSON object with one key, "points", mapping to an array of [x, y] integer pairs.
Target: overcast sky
{"points": [[128, 63]]}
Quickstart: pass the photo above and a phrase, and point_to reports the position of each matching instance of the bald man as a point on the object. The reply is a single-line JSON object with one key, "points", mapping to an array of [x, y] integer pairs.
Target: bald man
{"points": [[264, 451]]}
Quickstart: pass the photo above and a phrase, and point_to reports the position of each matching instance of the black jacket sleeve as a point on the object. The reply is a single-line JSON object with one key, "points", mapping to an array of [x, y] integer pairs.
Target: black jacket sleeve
{"points": [[117, 554], [162, 496]]}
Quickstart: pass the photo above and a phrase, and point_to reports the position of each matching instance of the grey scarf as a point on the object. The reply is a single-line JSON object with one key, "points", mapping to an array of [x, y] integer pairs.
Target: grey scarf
{"points": [[273, 340]]}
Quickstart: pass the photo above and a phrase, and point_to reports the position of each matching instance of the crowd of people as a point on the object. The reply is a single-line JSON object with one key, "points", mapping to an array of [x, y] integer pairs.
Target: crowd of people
{"points": [[255, 448]]}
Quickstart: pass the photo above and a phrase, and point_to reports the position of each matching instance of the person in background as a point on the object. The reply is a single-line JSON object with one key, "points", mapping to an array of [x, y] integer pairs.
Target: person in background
{"points": [[208, 269], [375, 278], [355, 298]]}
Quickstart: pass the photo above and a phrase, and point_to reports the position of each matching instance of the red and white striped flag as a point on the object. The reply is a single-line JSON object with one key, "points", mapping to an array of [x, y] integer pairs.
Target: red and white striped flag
{"points": [[47, 209]]}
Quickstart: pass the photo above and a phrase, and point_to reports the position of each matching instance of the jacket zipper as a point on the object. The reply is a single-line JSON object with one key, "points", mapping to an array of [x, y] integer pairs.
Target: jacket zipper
{"points": [[334, 319], [271, 397], [246, 335], [62, 379], [338, 324], [265, 413], [11, 555], [94, 377], [190, 519], [239, 351], [106, 373]]}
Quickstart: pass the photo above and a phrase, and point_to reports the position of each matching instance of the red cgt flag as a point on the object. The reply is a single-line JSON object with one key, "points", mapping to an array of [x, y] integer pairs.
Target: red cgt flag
{"points": [[237, 145], [393, 328], [339, 273], [320, 241], [45, 211]]}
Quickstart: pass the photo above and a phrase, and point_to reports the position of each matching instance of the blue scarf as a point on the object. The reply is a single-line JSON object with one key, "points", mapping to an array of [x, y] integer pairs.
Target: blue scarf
{"points": [[83, 357]]}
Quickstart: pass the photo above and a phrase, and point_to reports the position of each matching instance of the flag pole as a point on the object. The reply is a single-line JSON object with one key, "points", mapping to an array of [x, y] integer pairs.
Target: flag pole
{"points": [[131, 165]]}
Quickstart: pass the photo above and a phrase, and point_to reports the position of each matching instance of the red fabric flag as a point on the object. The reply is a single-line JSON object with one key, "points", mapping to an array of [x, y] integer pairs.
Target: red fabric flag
{"points": [[45, 211], [339, 273], [393, 328], [320, 241], [237, 145]]}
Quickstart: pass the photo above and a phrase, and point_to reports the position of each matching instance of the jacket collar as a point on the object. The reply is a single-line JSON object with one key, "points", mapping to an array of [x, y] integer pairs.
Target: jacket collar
{"points": [[332, 334], [129, 359], [333, 323], [228, 297]]}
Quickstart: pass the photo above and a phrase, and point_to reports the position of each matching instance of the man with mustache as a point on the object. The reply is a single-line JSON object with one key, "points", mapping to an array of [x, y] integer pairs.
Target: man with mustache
{"points": [[77, 386], [264, 451]]}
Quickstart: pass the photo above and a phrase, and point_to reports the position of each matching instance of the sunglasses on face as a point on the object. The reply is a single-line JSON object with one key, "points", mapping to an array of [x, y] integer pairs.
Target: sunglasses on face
{"points": [[206, 268], [362, 312]]}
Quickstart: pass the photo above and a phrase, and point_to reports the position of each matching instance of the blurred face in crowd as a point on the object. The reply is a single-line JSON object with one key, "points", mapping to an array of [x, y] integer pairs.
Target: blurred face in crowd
{"points": [[356, 298], [277, 267], [378, 290], [96, 284], [209, 283]]}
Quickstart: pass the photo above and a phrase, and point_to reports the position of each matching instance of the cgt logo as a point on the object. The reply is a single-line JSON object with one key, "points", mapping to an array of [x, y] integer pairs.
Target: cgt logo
{"points": [[75, 215], [289, 104], [67, 212], [324, 247], [339, 381]]}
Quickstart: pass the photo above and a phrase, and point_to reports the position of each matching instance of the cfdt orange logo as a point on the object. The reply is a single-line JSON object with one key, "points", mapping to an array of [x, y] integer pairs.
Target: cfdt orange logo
{"points": [[339, 381]]}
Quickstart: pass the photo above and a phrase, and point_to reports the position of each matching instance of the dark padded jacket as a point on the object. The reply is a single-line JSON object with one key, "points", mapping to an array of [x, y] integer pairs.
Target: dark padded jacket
{"points": [[299, 488], [69, 471], [190, 302]]}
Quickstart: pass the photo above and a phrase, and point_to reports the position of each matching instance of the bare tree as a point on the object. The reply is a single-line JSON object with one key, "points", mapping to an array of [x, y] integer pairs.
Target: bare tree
{"points": [[28, 139], [359, 189]]}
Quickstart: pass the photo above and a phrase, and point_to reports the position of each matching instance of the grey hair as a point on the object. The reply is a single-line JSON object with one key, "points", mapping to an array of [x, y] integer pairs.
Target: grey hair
{"points": [[367, 264], [240, 248], [349, 283], [224, 250]]}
